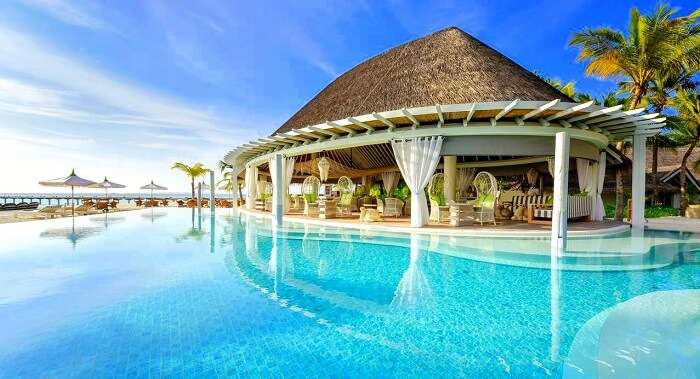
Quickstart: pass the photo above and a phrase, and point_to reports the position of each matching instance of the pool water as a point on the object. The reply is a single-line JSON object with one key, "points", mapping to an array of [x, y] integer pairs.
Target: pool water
{"points": [[176, 293]]}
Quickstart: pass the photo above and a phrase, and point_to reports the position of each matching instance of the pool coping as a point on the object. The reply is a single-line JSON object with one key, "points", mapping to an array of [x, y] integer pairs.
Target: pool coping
{"points": [[338, 223]]}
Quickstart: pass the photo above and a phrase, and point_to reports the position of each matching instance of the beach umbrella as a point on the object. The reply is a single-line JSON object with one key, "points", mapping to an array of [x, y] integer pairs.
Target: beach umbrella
{"points": [[71, 181], [106, 184], [152, 186]]}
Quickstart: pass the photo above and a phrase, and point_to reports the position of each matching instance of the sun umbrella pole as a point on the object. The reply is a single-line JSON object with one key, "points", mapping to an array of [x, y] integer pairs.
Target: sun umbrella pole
{"points": [[72, 197]]}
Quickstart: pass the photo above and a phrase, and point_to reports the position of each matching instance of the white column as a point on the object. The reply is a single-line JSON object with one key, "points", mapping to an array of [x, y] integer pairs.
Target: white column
{"points": [[234, 193], [251, 185], [450, 166], [561, 191], [277, 170], [212, 191], [639, 151]]}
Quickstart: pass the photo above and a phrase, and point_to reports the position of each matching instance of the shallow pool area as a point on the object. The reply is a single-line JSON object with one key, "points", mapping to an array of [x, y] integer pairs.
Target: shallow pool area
{"points": [[179, 293]]}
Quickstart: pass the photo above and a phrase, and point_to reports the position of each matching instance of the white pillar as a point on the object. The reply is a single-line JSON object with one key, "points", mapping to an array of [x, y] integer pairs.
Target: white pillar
{"points": [[251, 185], [234, 192], [278, 188], [561, 191], [212, 191], [638, 179], [450, 168]]}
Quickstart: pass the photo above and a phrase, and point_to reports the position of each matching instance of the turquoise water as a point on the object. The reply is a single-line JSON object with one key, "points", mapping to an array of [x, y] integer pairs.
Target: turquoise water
{"points": [[170, 293]]}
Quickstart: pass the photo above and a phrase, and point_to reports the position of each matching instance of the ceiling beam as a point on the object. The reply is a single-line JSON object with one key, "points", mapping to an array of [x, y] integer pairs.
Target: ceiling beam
{"points": [[507, 109], [540, 109], [571, 110]]}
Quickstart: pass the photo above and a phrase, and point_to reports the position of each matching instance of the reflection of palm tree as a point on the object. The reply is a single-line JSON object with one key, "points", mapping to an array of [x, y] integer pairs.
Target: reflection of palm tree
{"points": [[193, 233], [193, 172], [414, 287]]}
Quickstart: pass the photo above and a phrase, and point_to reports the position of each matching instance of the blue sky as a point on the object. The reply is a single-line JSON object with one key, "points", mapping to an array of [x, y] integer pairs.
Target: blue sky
{"points": [[125, 88]]}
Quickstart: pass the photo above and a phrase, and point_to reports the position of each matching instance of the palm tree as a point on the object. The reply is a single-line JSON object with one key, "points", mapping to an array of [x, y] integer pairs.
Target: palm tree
{"points": [[685, 131], [654, 43], [568, 89], [193, 172]]}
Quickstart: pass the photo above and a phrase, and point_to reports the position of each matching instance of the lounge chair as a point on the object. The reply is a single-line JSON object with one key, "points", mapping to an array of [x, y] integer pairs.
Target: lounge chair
{"points": [[181, 203], [47, 212], [392, 207]]}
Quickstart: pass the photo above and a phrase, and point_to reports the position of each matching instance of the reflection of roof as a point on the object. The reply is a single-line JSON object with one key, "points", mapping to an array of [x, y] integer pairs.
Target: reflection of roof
{"points": [[447, 67]]}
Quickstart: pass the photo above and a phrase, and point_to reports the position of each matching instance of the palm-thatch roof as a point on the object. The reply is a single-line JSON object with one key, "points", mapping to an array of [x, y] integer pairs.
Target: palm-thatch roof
{"points": [[446, 67]]}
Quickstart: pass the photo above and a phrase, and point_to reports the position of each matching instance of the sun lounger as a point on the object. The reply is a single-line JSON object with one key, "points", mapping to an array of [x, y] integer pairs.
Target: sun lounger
{"points": [[44, 213]]}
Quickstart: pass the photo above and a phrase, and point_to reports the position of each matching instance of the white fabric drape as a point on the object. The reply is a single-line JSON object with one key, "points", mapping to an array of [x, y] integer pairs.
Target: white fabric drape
{"points": [[417, 159], [600, 207], [251, 186], [465, 177], [288, 175], [550, 166], [390, 181], [583, 171]]}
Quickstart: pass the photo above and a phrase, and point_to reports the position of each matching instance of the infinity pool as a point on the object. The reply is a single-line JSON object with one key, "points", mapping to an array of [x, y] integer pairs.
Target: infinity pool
{"points": [[174, 293]]}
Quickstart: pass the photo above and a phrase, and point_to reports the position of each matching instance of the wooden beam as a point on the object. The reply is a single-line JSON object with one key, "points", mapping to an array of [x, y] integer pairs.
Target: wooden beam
{"points": [[386, 122], [296, 138], [308, 134], [324, 131], [540, 109], [615, 116], [347, 130], [627, 120], [507, 109], [597, 113], [357, 122], [571, 110], [440, 116], [410, 117], [466, 120]]}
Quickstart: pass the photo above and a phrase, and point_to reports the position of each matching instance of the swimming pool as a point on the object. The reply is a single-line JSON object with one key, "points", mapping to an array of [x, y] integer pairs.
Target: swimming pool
{"points": [[169, 292]]}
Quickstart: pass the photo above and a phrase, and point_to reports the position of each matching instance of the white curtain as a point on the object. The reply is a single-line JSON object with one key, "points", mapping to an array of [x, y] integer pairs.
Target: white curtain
{"points": [[465, 176], [599, 213], [251, 186], [585, 176], [550, 166], [417, 159], [288, 175], [390, 180]]}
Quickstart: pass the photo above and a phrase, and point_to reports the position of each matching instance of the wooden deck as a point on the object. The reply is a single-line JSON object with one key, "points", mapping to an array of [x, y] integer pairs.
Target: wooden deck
{"points": [[502, 227]]}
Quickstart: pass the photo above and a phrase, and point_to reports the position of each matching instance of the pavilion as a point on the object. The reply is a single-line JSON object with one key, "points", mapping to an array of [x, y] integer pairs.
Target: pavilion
{"points": [[447, 101]]}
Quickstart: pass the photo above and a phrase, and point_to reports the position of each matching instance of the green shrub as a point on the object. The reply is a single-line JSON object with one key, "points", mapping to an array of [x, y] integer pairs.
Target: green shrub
{"points": [[402, 192], [376, 192]]}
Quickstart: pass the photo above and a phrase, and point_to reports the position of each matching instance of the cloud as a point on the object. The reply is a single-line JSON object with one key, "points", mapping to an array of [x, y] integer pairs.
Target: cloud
{"points": [[78, 91], [68, 12]]}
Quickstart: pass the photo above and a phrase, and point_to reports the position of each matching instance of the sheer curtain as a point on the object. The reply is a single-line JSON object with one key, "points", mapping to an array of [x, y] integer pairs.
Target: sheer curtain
{"points": [[599, 207], [583, 170], [417, 159], [251, 186], [390, 181], [550, 166]]}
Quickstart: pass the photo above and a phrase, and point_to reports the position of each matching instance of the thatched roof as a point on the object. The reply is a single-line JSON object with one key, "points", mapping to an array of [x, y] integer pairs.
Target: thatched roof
{"points": [[446, 67]]}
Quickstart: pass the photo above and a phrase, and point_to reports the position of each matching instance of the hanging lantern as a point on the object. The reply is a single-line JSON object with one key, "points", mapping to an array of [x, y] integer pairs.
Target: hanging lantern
{"points": [[532, 176], [324, 166]]}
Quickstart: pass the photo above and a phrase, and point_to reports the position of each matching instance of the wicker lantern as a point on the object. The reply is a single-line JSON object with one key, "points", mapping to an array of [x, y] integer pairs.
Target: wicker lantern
{"points": [[324, 166]]}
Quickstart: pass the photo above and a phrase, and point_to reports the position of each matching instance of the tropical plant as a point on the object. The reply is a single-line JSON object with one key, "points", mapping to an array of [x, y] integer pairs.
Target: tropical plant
{"points": [[376, 192], [654, 43], [402, 192], [568, 89], [193, 172], [685, 131], [661, 90]]}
